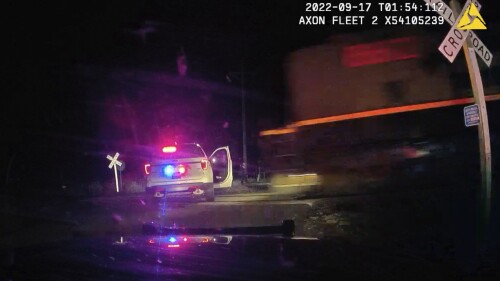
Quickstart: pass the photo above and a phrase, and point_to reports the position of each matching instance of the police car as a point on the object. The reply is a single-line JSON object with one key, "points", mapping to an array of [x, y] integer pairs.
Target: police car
{"points": [[184, 170]]}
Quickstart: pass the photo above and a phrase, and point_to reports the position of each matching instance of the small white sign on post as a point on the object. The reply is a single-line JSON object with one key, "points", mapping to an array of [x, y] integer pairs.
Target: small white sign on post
{"points": [[471, 115], [112, 165]]}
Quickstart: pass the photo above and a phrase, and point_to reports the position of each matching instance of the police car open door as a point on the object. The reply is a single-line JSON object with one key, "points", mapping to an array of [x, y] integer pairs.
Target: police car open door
{"points": [[222, 167]]}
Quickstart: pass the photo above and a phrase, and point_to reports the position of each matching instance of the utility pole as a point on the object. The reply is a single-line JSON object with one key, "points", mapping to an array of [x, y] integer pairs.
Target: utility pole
{"points": [[241, 76], [243, 122]]}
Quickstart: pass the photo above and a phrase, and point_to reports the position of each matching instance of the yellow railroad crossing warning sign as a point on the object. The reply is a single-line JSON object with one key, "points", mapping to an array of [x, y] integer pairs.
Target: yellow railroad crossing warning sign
{"points": [[472, 19]]}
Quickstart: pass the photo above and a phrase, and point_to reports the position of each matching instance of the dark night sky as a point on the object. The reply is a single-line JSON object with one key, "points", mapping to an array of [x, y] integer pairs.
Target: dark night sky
{"points": [[48, 38]]}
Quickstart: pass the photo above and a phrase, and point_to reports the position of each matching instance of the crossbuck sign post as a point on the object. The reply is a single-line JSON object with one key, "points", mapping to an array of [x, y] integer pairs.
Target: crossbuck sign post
{"points": [[112, 165], [462, 36]]}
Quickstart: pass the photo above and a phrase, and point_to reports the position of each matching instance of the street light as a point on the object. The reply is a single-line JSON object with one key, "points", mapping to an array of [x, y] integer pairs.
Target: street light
{"points": [[241, 76]]}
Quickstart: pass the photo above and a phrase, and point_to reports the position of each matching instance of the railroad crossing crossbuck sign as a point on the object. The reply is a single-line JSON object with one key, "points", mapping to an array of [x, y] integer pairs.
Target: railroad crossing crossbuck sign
{"points": [[112, 165], [468, 20]]}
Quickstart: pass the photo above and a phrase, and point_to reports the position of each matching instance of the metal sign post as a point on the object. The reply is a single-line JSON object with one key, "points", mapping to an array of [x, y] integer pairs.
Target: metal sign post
{"points": [[483, 132], [112, 165]]}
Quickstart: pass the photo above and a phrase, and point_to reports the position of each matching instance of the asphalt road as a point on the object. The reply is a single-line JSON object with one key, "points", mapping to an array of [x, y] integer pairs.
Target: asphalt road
{"points": [[428, 224]]}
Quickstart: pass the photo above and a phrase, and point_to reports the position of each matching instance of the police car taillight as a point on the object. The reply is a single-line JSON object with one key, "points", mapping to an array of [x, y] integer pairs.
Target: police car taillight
{"points": [[147, 169], [204, 164], [181, 169]]}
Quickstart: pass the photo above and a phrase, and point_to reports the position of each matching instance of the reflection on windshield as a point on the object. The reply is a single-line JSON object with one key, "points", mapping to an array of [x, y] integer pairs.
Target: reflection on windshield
{"points": [[176, 241]]}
